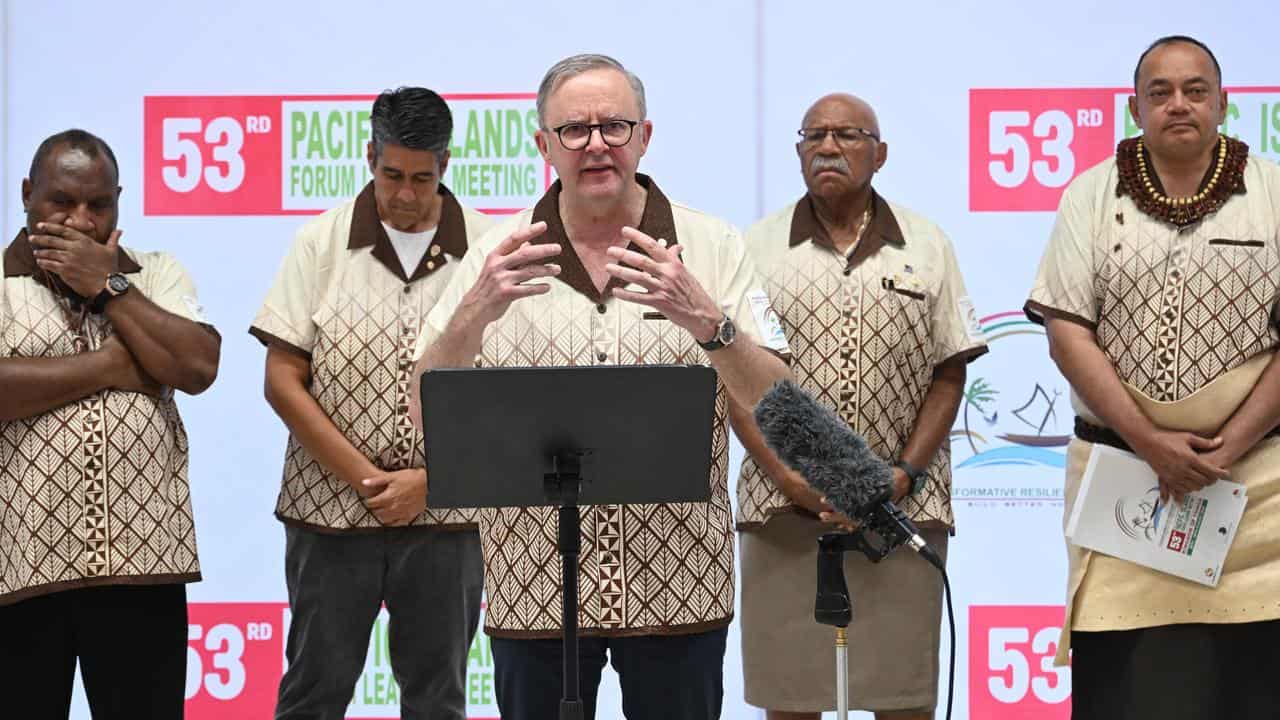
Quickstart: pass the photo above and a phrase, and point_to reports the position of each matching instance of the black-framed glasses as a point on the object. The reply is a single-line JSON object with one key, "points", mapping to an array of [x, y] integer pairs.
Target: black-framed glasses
{"points": [[844, 136], [576, 135]]}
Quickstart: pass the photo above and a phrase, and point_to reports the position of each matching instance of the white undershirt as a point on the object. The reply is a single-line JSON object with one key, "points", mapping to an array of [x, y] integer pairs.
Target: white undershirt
{"points": [[410, 247]]}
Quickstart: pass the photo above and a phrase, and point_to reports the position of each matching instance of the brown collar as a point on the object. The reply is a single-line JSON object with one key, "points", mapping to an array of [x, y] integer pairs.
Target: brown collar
{"points": [[1228, 169], [657, 222], [367, 230], [20, 259], [882, 229]]}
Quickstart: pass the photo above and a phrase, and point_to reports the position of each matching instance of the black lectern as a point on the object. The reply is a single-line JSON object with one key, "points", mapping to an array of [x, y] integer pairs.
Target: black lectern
{"points": [[564, 436]]}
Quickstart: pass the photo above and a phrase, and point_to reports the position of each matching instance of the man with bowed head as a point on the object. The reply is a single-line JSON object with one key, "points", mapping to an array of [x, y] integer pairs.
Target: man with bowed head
{"points": [[339, 325]]}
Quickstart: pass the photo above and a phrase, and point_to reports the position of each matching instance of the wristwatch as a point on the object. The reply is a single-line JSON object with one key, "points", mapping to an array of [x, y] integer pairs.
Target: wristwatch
{"points": [[914, 474], [726, 331], [117, 285]]}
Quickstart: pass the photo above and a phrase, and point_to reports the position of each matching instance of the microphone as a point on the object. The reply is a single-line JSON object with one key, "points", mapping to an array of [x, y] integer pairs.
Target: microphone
{"points": [[816, 443]]}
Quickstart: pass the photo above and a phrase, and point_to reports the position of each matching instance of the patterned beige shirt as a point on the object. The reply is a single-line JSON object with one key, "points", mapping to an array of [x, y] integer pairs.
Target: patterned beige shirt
{"points": [[1172, 308], [645, 569], [342, 300], [94, 492], [866, 332]]}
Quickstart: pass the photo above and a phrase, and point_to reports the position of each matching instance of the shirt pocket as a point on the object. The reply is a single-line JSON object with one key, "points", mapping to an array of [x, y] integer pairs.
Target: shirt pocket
{"points": [[1239, 263], [909, 300]]}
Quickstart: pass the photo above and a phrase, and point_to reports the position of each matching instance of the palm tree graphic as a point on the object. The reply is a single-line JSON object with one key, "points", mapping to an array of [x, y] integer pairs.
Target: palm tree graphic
{"points": [[977, 396]]}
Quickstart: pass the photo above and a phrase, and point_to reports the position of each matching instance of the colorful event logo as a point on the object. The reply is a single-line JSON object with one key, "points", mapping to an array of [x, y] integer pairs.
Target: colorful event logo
{"points": [[1025, 145], [288, 155], [1012, 423], [1032, 430]]}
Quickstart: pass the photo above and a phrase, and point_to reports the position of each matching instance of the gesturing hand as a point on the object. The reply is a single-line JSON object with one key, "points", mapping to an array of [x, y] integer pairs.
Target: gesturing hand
{"points": [[82, 262], [669, 286], [401, 498], [508, 268]]}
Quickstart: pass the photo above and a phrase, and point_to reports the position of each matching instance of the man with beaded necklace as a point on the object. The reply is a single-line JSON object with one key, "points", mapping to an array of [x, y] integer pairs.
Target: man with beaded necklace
{"points": [[1160, 292]]}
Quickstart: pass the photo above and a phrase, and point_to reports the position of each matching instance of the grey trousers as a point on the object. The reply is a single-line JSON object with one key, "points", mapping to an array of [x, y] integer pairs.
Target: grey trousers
{"points": [[431, 582]]}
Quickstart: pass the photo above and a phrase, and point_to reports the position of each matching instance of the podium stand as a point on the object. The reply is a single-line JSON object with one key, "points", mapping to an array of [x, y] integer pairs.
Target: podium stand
{"points": [[563, 437]]}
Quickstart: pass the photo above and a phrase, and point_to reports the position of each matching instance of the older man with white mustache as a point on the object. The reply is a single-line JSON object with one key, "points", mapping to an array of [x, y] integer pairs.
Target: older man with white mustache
{"points": [[880, 328]]}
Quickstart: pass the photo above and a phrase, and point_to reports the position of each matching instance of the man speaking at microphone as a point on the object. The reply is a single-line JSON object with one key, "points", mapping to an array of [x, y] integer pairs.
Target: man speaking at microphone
{"points": [[620, 276], [872, 302]]}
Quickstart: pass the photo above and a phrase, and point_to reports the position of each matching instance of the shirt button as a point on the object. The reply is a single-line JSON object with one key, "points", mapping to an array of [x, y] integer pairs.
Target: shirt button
{"points": [[602, 356], [848, 271], [408, 289], [601, 308], [431, 265]]}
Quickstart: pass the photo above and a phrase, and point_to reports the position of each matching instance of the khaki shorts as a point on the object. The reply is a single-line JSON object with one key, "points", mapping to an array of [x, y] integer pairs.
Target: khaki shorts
{"points": [[788, 659]]}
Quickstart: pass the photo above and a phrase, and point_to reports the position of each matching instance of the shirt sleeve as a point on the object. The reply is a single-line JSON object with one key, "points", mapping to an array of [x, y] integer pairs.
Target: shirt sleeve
{"points": [[743, 299], [956, 331], [286, 317], [167, 284], [1064, 284]]}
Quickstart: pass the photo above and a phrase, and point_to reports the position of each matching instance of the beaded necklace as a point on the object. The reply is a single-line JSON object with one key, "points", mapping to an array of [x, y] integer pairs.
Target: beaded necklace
{"points": [[1225, 178]]}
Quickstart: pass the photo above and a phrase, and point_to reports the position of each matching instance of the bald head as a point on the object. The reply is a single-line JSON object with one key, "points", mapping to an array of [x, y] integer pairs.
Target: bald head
{"points": [[842, 109]]}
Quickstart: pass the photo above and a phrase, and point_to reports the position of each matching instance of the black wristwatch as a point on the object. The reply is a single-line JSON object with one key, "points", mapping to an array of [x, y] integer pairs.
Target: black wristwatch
{"points": [[117, 285], [914, 474], [725, 333]]}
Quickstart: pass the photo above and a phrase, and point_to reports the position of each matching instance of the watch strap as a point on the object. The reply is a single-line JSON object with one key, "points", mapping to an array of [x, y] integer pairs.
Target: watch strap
{"points": [[914, 474]]}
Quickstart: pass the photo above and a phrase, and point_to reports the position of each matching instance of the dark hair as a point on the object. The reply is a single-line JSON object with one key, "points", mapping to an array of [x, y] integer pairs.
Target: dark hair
{"points": [[1169, 39], [73, 139], [411, 117]]}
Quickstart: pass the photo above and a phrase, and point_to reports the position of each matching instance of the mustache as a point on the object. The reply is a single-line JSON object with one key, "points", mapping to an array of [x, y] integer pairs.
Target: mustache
{"points": [[826, 162]]}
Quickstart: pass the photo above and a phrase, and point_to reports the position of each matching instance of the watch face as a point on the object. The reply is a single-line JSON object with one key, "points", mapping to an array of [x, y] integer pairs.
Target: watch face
{"points": [[727, 331], [118, 283]]}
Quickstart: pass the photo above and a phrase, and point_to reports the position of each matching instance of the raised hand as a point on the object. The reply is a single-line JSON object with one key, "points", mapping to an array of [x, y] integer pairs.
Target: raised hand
{"points": [[669, 286]]}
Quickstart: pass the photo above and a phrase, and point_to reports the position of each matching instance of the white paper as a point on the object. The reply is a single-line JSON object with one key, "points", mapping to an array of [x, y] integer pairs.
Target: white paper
{"points": [[1118, 512]]}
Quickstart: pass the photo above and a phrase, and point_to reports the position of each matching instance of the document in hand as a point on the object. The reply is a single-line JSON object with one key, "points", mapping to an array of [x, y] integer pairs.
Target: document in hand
{"points": [[1118, 511]]}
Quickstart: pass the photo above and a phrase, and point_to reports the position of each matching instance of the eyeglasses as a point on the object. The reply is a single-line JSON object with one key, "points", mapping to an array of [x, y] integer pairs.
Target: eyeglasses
{"points": [[844, 136], [576, 135]]}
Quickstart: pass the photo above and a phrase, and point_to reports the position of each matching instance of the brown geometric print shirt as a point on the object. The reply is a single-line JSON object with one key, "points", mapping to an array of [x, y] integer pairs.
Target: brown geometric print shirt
{"points": [[94, 492], [866, 331], [343, 301], [1172, 308], [644, 569]]}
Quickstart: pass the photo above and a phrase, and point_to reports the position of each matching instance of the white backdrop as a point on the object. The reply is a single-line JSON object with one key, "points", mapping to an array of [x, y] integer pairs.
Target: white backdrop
{"points": [[727, 83]]}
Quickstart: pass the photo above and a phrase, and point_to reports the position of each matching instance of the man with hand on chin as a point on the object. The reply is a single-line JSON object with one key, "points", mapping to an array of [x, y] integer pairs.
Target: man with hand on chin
{"points": [[605, 270], [97, 538]]}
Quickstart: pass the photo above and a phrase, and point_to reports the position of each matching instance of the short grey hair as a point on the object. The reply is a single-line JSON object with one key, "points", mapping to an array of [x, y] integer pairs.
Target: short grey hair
{"points": [[577, 65]]}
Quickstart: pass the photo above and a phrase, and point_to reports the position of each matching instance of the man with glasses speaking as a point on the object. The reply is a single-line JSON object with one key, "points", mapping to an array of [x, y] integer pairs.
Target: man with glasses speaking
{"points": [[604, 270], [871, 299]]}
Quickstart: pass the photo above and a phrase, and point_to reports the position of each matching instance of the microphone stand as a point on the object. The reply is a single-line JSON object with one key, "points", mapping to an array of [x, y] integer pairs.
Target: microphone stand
{"points": [[832, 605], [562, 486]]}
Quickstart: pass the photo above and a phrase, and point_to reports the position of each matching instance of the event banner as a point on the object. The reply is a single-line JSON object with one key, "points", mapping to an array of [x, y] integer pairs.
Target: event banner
{"points": [[1025, 145], [1011, 672], [303, 154], [235, 658]]}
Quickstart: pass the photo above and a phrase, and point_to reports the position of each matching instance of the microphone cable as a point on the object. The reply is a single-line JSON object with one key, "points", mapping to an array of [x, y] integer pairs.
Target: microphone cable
{"points": [[951, 623]]}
